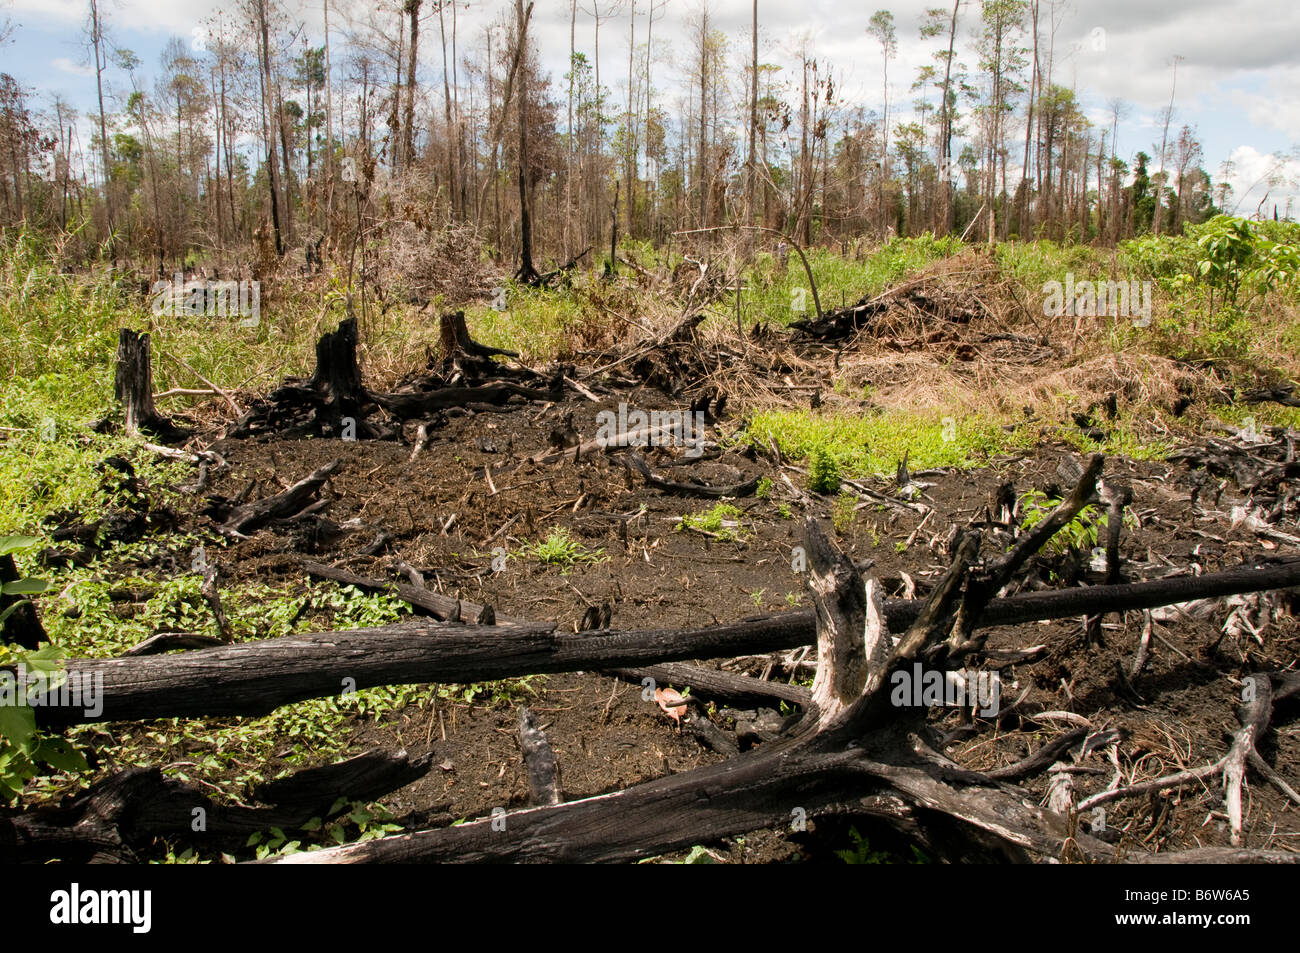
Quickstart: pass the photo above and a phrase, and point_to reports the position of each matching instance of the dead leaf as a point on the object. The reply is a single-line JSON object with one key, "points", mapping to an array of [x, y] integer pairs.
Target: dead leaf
{"points": [[668, 699]]}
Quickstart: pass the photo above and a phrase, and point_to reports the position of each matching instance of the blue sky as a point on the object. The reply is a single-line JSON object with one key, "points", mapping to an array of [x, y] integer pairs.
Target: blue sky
{"points": [[1238, 77]]}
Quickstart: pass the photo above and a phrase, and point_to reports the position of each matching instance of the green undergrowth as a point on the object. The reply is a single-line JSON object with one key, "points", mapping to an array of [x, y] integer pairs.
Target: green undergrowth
{"points": [[560, 549], [100, 611], [780, 296], [722, 520], [872, 444]]}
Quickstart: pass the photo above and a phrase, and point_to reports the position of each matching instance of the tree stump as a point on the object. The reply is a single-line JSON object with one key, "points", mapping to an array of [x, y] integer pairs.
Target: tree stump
{"points": [[336, 383], [22, 626], [133, 388]]}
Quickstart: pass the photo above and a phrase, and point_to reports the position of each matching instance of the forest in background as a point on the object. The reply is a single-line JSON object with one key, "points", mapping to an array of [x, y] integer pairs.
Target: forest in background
{"points": [[258, 142]]}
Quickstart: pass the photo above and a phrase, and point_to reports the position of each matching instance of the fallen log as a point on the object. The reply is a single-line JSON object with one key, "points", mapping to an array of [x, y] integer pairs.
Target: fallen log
{"points": [[539, 761], [637, 463], [419, 403], [642, 436], [443, 608], [249, 517], [847, 742], [167, 641], [118, 816], [719, 686], [254, 678]]}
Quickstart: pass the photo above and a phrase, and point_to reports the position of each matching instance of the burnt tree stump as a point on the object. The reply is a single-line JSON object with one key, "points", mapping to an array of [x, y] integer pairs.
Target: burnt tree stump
{"points": [[22, 626], [339, 394], [333, 402], [133, 388]]}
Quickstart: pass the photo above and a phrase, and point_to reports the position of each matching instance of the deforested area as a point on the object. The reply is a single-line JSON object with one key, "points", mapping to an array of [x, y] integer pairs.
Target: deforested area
{"points": [[671, 432]]}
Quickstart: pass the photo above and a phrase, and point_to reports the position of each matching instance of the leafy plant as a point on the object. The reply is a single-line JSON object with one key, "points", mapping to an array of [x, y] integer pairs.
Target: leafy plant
{"points": [[860, 852], [22, 747], [1080, 534], [559, 549], [722, 521], [823, 471]]}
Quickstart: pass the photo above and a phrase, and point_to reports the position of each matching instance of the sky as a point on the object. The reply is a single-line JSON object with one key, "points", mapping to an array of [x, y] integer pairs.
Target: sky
{"points": [[1237, 62]]}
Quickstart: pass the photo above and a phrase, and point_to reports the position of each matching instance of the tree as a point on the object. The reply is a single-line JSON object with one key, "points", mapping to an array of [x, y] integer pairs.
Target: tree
{"points": [[1003, 60], [95, 33], [1168, 115], [881, 27], [933, 25], [526, 273]]}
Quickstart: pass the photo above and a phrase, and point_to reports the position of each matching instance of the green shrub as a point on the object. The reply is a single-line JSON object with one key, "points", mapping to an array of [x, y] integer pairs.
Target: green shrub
{"points": [[823, 472]]}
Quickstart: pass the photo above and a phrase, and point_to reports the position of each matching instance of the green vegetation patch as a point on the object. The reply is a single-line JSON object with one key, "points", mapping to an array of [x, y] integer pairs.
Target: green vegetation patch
{"points": [[873, 444]]}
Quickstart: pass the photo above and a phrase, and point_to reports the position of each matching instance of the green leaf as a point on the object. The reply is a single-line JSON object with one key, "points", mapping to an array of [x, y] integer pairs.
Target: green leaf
{"points": [[60, 755], [10, 786], [14, 544], [18, 724], [25, 587]]}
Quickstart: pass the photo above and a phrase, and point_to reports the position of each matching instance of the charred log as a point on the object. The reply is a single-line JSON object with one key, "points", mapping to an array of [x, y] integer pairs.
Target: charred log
{"points": [[253, 678]]}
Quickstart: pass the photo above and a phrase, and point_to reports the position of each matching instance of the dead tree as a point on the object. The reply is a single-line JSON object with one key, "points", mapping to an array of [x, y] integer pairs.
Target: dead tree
{"points": [[133, 388], [125, 812], [20, 625], [456, 341], [249, 517], [853, 748]]}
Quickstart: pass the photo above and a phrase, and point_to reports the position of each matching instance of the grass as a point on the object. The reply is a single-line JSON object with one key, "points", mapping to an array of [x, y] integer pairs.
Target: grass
{"points": [[780, 296], [1260, 415], [873, 444], [559, 549], [723, 521], [533, 322]]}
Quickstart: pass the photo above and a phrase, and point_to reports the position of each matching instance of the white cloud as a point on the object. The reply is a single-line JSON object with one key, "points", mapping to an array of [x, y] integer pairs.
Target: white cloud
{"points": [[1262, 177], [1276, 112], [65, 65]]}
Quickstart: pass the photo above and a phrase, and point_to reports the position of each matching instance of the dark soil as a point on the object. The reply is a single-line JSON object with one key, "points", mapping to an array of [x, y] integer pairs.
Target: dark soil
{"points": [[446, 517]]}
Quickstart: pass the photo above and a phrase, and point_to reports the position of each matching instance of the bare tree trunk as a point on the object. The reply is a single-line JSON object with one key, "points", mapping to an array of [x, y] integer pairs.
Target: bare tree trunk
{"points": [[268, 134], [945, 131], [329, 130], [568, 158], [449, 158], [1029, 128], [408, 148], [704, 112], [526, 273], [751, 168], [1164, 144], [101, 62]]}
